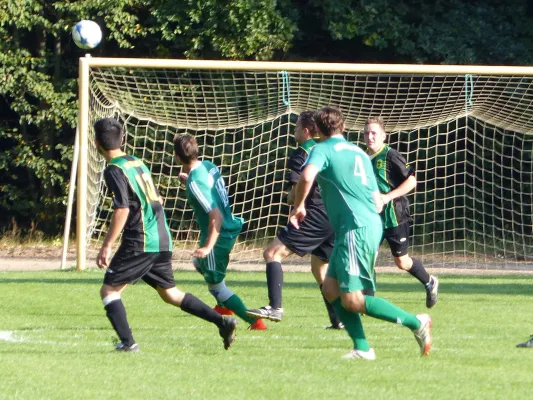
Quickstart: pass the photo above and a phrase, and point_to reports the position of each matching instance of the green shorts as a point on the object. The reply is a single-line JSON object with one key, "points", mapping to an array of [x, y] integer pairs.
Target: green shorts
{"points": [[213, 267], [353, 258]]}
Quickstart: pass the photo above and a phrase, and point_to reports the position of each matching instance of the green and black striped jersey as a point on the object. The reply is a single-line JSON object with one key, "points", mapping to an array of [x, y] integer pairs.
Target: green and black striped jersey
{"points": [[391, 170], [131, 185]]}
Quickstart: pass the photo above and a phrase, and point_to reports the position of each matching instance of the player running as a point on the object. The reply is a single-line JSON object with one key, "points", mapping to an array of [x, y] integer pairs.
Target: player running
{"points": [[314, 237]]}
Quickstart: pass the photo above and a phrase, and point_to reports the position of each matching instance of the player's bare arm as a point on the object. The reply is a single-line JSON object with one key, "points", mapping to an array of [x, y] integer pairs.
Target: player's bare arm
{"points": [[303, 187], [118, 220], [406, 187], [378, 201], [215, 223], [290, 195]]}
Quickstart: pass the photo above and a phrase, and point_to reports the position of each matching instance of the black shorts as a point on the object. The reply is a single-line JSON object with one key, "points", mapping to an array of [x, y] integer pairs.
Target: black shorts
{"points": [[128, 266], [315, 236], [398, 239]]}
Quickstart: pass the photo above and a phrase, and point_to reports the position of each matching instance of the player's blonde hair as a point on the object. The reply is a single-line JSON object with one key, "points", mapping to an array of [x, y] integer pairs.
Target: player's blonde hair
{"points": [[375, 120]]}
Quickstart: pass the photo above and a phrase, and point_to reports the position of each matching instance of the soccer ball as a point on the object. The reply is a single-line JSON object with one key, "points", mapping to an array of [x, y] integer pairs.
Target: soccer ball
{"points": [[86, 34]]}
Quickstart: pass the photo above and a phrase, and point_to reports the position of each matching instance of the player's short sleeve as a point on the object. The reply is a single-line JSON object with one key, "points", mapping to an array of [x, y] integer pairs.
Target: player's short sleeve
{"points": [[295, 163], [202, 193], [318, 157], [118, 185], [399, 170]]}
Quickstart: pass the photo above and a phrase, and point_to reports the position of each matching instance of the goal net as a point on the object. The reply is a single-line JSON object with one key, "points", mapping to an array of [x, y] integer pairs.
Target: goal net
{"points": [[466, 131]]}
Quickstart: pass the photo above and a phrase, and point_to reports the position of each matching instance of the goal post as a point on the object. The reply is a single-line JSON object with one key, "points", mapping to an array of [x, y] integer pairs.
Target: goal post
{"points": [[466, 129]]}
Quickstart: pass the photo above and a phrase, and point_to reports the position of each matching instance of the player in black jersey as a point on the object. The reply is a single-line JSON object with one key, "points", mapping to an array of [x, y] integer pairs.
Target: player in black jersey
{"points": [[314, 237], [145, 251], [395, 179]]}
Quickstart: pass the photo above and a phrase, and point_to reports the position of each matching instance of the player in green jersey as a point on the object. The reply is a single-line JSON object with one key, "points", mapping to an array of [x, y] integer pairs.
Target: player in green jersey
{"points": [[350, 193], [314, 237], [145, 251], [395, 179], [208, 197]]}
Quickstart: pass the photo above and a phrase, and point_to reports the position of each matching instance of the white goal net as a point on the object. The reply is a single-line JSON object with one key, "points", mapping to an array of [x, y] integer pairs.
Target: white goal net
{"points": [[467, 132]]}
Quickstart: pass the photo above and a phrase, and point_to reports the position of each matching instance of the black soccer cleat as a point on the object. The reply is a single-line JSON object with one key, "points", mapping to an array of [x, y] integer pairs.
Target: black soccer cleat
{"points": [[227, 331], [134, 348], [338, 326], [266, 312], [529, 343], [432, 292]]}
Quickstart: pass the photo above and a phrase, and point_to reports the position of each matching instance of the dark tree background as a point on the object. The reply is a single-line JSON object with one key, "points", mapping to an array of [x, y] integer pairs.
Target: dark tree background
{"points": [[38, 61]]}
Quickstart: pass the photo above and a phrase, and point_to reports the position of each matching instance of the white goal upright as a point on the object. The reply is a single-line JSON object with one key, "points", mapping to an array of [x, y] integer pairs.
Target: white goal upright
{"points": [[467, 130]]}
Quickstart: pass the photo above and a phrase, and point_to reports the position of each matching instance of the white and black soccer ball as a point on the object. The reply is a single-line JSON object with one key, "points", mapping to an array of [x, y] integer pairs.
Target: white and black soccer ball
{"points": [[87, 34]]}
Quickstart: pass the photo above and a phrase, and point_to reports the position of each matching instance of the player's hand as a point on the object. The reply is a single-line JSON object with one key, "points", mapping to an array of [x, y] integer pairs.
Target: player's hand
{"points": [[183, 177], [201, 252], [385, 199], [297, 215], [104, 256]]}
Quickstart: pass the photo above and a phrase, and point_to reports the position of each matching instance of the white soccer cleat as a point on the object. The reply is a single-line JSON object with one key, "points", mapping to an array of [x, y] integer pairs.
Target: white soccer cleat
{"points": [[365, 355], [423, 334]]}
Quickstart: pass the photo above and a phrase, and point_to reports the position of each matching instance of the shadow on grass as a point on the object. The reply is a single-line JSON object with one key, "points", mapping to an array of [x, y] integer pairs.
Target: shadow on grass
{"points": [[456, 284]]}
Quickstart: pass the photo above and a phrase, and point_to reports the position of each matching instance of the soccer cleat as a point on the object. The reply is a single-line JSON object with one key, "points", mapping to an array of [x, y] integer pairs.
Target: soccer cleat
{"points": [[365, 355], [222, 310], [423, 334], [338, 326], [227, 331], [529, 343], [258, 325], [432, 291], [134, 348], [267, 312]]}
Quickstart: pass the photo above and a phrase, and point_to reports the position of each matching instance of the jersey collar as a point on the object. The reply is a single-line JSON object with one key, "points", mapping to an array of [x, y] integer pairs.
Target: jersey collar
{"points": [[372, 156], [307, 145]]}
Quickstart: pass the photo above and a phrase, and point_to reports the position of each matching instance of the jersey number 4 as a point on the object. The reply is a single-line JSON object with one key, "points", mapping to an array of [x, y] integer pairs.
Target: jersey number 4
{"points": [[359, 170]]}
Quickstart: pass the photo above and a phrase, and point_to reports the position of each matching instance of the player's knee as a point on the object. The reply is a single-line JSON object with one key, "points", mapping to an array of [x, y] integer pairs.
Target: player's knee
{"points": [[269, 254], [220, 291], [171, 295], [404, 263], [109, 298], [354, 304]]}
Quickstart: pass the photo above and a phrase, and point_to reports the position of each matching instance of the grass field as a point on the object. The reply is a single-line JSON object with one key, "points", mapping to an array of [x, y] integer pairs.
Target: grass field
{"points": [[56, 343]]}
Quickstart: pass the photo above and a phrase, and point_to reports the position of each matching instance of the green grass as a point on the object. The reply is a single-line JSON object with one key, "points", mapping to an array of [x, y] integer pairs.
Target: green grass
{"points": [[64, 343]]}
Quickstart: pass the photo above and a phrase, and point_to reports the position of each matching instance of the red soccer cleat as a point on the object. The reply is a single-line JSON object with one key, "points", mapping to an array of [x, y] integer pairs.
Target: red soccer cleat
{"points": [[222, 310], [258, 325]]}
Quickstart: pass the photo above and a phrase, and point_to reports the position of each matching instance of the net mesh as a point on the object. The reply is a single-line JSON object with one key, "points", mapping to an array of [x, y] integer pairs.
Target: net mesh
{"points": [[467, 137]]}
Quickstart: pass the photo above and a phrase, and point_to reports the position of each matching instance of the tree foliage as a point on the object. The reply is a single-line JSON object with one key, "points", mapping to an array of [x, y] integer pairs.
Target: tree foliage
{"points": [[38, 61]]}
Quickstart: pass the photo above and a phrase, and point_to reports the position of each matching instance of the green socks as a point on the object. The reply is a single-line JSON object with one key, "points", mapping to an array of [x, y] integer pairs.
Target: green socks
{"points": [[235, 304], [380, 308], [352, 325]]}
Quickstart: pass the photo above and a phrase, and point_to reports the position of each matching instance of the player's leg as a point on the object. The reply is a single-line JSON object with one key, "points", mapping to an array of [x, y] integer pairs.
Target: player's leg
{"points": [[116, 313], [214, 267], [351, 320], [274, 254], [398, 239], [318, 269], [126, 267], [161, 278], [361, 246]]}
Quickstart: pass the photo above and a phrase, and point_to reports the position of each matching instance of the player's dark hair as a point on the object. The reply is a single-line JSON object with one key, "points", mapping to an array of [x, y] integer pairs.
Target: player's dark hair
{"points": [[329, 121], [108, 132], [375, 120], [307, 120], [186, 148]]}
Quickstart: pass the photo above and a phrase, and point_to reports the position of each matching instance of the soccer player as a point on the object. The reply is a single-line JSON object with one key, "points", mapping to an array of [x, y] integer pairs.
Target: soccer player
{"points": [[350, 193], [207, 195], [315, 236], [145, 251], [395, 179]]}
